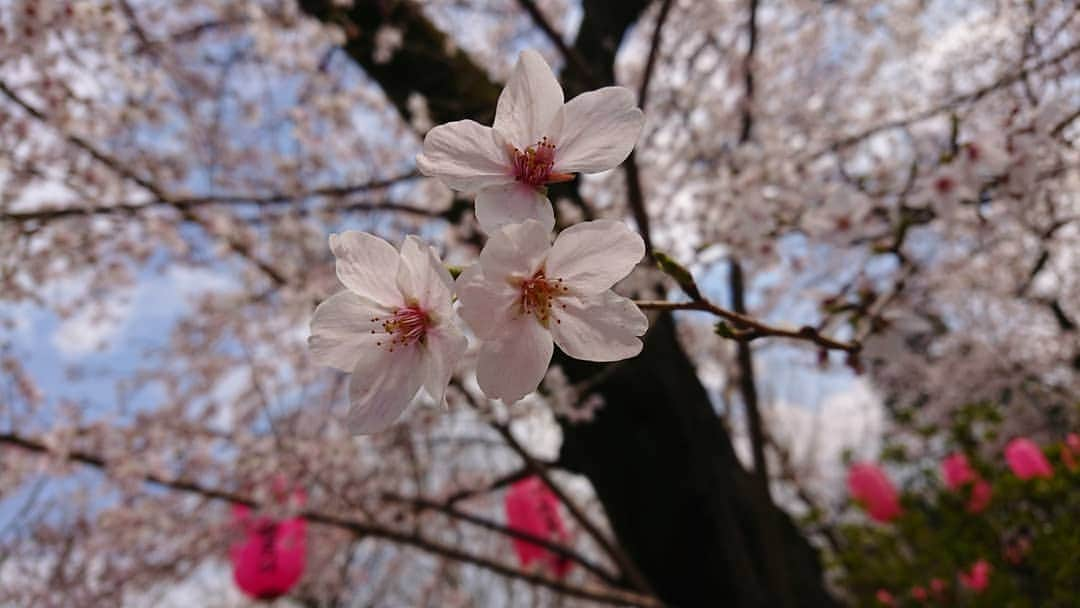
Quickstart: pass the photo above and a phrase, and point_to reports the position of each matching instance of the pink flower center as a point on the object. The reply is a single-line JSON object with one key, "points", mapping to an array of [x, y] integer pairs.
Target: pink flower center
{"points": [[533, 165], [537, 296], [944, 185], [407, 326]]}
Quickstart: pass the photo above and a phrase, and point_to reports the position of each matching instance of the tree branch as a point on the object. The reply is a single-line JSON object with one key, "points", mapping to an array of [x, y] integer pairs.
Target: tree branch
{"points": [[126, 173], [629, 570], [749, 329], [262, 200], [360, 528], [928, 113], [568, 53], [454, 513]]}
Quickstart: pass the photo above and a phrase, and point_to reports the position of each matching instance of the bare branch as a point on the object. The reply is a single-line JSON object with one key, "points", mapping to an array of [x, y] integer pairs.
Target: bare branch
{"points": [[748, 328], [361, 528]]}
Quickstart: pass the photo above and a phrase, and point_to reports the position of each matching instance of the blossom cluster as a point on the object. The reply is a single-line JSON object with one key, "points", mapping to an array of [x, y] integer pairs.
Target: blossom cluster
{"points": [[395, 327], [870, 486]]}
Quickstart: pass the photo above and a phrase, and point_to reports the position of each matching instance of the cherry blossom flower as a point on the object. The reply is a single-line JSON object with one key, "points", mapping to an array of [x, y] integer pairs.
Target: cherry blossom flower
{"points": [[978, 579], [957, 471], [269, 560], [525, 292], [959, 474], [393, 327], [532, 507], [869, 485], [536, 140], [1070, 451], [1026, 459], [938, 586], [884, 598], [918, 593]]}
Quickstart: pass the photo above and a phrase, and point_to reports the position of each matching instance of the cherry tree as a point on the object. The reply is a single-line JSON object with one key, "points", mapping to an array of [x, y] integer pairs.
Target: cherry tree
{"points": [[206, 206]]}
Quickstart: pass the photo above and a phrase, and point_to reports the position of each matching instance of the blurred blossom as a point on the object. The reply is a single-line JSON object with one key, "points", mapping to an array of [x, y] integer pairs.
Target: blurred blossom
{"points": [[959, 474], [870, 486], [978, 578], [1070, 451], [1026, 459]]}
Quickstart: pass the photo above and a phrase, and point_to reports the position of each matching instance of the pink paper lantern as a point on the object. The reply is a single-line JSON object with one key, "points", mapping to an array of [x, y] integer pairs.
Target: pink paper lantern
{"points": [[978, 579], [269, 558], [870, 486], [1026, 459], [532, 507]]}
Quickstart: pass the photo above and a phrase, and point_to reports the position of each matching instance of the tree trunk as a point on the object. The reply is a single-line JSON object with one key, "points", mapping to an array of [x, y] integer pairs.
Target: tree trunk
{"points": [[657, 455]]}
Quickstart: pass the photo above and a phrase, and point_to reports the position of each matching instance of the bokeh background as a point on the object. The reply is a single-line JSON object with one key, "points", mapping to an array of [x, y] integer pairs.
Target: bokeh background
{"points": [[901, 177]]}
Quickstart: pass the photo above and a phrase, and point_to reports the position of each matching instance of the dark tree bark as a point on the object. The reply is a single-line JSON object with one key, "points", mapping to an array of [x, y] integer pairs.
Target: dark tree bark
{"points": [[657, 455]]}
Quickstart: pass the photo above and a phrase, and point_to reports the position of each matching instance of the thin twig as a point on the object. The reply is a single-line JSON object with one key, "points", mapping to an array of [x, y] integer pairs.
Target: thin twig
{"points": [[496, 484], [556, 548], [262, 200], [749, 329], [928, 113], [568, 53], [747, 122], [635, 194], [626, 566], [654, 48]]}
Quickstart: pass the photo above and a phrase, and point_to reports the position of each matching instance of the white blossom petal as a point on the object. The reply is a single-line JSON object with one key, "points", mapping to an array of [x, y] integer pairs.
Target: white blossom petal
{"points": [[595, 131], [445, 346], [515, 251], [602, 327], [382, 385], [529, 101], [367, 266], [466, 156], [513, 365], [591, 256], [341, 330], [512, 203], [487, 306], [422, 277]]}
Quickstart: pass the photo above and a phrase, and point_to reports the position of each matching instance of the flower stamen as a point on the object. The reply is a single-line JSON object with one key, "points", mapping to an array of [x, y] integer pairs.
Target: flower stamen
{"points": [[408, 325], [537, 296], [533, 165]]}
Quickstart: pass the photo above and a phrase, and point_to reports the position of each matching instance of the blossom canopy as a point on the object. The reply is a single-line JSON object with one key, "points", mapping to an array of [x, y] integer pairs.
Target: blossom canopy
{"points": [[535, 140], [869, 485], [393, 327]]}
